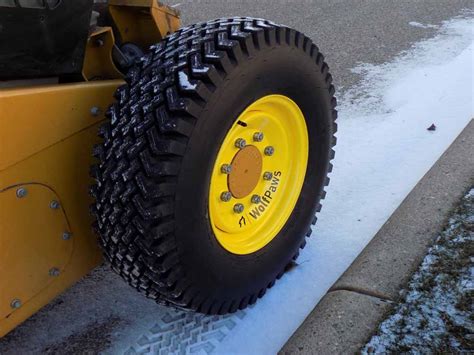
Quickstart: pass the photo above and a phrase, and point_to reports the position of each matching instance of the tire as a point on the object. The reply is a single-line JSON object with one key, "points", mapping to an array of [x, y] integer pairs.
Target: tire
{"points": [[160, 144]]}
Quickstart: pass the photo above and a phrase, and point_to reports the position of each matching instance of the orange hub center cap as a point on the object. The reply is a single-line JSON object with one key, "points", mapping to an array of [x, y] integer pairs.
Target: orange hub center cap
{"points": [[246, 171]]}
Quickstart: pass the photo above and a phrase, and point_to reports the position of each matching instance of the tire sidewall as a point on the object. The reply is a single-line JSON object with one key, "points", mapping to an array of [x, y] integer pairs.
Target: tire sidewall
{"points": [[280, 70]]}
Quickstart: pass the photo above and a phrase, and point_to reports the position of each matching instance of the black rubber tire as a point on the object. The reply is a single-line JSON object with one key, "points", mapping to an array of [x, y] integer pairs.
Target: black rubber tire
{"points": [[159, 147]]}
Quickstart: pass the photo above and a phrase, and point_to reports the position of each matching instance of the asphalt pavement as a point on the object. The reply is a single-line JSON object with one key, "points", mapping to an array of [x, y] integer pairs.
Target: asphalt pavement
{"points": [[348, 32]]}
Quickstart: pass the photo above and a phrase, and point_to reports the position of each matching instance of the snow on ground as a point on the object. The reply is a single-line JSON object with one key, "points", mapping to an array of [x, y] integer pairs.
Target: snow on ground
{"points": [[420, 25], [383, 150], [437, 313]]}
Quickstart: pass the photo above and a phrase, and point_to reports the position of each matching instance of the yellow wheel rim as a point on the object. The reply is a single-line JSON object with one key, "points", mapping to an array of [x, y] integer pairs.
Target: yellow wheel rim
{"points": [[258, 174]]}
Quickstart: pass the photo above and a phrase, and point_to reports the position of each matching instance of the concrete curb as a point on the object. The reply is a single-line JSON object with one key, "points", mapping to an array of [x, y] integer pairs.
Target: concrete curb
{"points": [[350, 312]]}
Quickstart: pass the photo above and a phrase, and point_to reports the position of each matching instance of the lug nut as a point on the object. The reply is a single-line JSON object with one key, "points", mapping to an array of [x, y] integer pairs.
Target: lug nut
{"points": [[15, 304], [269, 150], [67, 235], [240, 143], [21, 192], [267, 175], [226, 196], [238, 208], [258, 136], [256, 199], [54, 205], [226, 168]]}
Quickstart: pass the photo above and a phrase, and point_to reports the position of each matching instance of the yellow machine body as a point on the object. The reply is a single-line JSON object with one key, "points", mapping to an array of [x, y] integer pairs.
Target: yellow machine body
{"points": [[46, 138]]}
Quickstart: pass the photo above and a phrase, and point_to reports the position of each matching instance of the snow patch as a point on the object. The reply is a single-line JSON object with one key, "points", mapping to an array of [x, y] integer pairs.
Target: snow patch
{"points": [[436, 312], [184, 81], [420, 25], [375, 94]]}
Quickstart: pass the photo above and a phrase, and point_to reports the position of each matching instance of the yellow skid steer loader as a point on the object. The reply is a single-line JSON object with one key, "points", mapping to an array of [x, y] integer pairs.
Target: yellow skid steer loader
{"points": [[192, 159]]}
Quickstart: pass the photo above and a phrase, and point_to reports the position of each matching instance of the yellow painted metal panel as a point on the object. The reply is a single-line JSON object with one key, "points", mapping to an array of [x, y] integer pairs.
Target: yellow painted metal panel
{"points": [[35, 118], [143, 22], [65, 168], [166, 21], [60, 162], [32, 247], [98, 62]]}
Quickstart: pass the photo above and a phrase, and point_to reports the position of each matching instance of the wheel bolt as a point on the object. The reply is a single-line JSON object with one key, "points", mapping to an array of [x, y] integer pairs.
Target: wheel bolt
{"points": [[267, 175], [256, 199], [269, 150], [240, 143], [258, 136], [238, 208], [226, 168], [226, 196]]}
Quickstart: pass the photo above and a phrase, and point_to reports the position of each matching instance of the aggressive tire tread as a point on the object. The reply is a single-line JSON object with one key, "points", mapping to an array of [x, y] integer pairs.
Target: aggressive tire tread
{"points": [[145, 140]]}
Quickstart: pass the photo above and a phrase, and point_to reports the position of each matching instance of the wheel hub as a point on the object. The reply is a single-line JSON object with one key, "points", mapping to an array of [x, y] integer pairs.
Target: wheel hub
{"points": [[254, 187], [246, 171]]}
